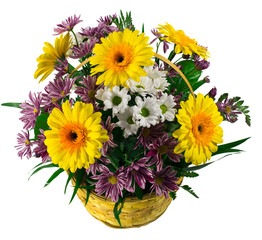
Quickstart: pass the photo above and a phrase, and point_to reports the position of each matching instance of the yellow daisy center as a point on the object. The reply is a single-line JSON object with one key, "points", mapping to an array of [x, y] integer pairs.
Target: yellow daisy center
{"points": [[162, 149], [202, 128], [112, 179], [159, 180]]}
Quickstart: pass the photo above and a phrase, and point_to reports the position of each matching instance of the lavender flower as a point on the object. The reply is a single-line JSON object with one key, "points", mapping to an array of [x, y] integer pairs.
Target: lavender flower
{"points": [[101, 31], [201, 64], [109, 127], [164, 182], [228, 109], [213, 92], [138, 172], [83, 49], [67, 25], [108, 20], [56, 90], [148, 135], [61, 67], [160, 37], [161, 146], [41, 149], [24, 145], [31, 110], [112, 184], [88, 90]]}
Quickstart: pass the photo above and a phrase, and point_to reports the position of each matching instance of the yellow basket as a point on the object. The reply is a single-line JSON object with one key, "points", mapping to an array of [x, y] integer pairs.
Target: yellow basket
{"points": [[135, 212]]}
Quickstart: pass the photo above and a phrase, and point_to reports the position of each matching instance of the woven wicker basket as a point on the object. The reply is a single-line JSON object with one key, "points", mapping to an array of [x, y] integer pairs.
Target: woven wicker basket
{"points": [[135, 212]]}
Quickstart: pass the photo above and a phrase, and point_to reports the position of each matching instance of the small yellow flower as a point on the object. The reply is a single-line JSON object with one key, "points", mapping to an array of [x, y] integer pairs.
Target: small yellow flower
{"points": [[48, 60], [120, 57], [199, 133], [75, 137], [183, 43]]}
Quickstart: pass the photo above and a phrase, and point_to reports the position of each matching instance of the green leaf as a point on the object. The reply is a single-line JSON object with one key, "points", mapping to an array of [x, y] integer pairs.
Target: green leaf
{"points": [[42, 167], [87, 195], [138, 192], [68, 180], [54, 175], [41, 123], [225, 148], [190, 190], [117, 210], [198, 167], [80, 174], [190, 174], [12, 104], [173, 195]]}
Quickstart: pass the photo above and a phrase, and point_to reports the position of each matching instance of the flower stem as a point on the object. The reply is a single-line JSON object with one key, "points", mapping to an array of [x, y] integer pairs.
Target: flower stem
{"points": [[75, 37]]}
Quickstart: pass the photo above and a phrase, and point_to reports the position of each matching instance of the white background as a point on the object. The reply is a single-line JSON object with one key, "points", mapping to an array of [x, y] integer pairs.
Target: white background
{"points": [[229, 206]]}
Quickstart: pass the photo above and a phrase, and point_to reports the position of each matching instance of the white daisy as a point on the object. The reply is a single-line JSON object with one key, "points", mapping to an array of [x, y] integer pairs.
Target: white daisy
{"points": [[143, 87], [146, 111], [116, 99], [167, 104], [127, 122]]}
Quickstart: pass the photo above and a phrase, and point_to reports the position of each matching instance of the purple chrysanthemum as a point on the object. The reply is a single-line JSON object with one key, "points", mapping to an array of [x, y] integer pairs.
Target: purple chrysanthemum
{"points": [[149, 135], [83, 49], [24, 145], [97, 166], [164, 182], [56, 90], [228, 109], [201, 64], [139, 173], [213, 92], [31, 110], [163, 146], [112, 184], [67, 25], [41, 149], [61, 67], [107, 19], [160, 37], [101, 31], [88, 90], [109, 127]]}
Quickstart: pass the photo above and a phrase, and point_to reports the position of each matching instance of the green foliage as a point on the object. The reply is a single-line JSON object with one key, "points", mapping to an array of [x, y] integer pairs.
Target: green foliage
{"points": [[70, 175], [54, 175], [42, 166], [117, 210], [79, 177], [41, 123], [12, 104], [123, 22], [190, 190], [173, 195], [138, 192]]}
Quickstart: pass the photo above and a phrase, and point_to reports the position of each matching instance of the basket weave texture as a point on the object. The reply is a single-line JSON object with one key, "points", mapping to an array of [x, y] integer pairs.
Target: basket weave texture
{"points": [[135, 212]]}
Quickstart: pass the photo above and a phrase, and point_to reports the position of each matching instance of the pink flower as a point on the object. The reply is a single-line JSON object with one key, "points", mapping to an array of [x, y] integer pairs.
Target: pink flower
{"points": [[67, 25], [24, 145]]}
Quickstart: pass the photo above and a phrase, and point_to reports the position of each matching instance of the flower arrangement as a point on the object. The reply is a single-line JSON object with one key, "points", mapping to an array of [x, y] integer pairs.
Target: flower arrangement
{"points": [[125, 121]]}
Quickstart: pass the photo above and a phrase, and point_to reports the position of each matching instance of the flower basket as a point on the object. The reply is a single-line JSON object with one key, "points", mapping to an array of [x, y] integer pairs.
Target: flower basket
{"points": [[134, 213], [124, 122]]}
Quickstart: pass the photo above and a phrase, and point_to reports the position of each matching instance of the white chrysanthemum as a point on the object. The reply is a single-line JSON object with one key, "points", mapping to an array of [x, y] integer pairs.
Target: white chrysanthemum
{"points": [[160, 84], [114, 99], [154, 73], [147, 111], [127, 123], [167, 104], [143, 87]]}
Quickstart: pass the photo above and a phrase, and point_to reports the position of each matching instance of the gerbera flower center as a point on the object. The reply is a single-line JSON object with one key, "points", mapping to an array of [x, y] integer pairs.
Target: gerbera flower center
{"points": [[119, 57], [112, 179], [202, 128], [159, 180], [73, 136]]}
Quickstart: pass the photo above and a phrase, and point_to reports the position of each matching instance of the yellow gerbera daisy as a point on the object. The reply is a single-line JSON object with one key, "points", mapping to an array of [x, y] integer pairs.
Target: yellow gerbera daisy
{"points": [[48, 60], [199, 133], [75, 137], [120, 56], [183, 43]]}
